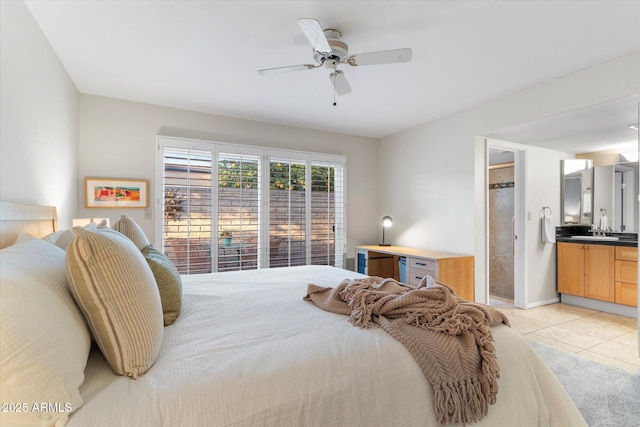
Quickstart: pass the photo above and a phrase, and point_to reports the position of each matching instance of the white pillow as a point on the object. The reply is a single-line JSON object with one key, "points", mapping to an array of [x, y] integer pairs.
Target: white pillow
{"points": [[23, 238], [67, 236], [53, 237], [44, 340]]}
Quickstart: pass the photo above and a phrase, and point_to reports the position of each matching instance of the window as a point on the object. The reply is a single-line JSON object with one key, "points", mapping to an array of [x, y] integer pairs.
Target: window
{"points": [[238, 211], [326, 213], [186, 224], [269, 208], [287, 213]]}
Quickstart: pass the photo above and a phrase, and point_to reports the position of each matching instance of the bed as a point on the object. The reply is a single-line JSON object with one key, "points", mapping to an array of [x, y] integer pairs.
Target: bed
{"points": [[247, 350]]}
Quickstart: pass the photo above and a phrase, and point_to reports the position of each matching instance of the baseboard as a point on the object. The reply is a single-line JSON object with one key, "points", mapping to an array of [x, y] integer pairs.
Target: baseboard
{"points": [[544, 302], [607, 307]]}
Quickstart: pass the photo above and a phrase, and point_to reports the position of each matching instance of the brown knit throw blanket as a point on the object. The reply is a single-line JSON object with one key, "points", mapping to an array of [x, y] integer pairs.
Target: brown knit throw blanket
{"points": [[449, 337]]}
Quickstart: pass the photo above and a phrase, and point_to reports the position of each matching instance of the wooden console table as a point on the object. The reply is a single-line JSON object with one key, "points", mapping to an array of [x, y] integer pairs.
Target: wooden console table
{"points": [[455, 270]]}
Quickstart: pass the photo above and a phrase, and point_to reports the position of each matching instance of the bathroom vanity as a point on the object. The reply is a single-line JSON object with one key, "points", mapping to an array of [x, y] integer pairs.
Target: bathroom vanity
{"points": [[597, 242], [599, 268]]}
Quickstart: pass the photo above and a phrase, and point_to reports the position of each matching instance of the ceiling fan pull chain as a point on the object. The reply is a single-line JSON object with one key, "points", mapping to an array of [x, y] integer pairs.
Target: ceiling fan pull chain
{"points": [[334, 90]]}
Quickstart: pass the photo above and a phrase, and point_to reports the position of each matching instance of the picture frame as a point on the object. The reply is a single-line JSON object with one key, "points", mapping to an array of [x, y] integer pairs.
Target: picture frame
{"points": [[116, 193]]}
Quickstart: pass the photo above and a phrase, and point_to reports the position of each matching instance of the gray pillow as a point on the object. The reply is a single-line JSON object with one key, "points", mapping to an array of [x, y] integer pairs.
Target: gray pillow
{"points": [[168, 281]]}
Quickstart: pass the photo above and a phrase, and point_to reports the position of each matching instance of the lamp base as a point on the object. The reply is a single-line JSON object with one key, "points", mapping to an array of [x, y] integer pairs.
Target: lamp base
{"points": [[384, 244]]}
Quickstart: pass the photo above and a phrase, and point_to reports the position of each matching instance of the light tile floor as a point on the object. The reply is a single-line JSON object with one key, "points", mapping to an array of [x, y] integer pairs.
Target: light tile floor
{"points": [[605, 338]]}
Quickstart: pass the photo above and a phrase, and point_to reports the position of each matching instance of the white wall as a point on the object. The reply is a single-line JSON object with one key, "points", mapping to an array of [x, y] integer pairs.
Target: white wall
{"points": [[432, 177], [117, 139], [542, 182], [38, 116]]}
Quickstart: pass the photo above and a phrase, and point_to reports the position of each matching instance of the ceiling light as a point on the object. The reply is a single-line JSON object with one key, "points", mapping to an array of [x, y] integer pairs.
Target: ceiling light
{"points": [[634, 127], [629, 156]]}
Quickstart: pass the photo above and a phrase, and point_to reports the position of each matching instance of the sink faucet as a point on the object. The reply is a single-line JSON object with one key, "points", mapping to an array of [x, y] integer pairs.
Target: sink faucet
{"points": [[597, 231]]}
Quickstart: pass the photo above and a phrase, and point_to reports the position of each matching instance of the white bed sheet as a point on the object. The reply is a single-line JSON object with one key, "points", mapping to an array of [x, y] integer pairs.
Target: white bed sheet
{"points": [[247, 350]]}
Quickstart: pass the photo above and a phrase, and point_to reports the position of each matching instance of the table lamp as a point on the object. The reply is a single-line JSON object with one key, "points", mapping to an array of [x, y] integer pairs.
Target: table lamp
{"points": [[387, 221]]}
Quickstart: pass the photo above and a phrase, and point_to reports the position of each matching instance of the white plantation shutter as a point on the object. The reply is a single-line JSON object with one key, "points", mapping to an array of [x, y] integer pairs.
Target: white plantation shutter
{"points": [[222, 210], [327, 214], [306, 210], [187, 211], [287, 213], [238, 211]]}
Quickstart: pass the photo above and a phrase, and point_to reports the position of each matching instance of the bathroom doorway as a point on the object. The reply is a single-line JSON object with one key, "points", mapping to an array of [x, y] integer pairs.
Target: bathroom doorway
{"points": [[502, 226]]}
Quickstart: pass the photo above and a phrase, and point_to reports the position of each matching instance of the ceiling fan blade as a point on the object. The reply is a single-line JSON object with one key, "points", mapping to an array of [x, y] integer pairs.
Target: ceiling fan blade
{"points": [[340, 83], [286, 69], [380, 57], [312, 29]]}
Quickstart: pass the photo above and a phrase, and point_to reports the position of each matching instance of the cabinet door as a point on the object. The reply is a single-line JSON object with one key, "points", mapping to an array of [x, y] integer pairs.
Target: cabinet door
{"points": [[362, 261], [627, 294], [627, 271], [599, 272], [627, 253], [571, 268], [381, 266]]}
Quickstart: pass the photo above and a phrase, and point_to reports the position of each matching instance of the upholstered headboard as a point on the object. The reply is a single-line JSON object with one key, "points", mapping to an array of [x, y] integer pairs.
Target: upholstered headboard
{"points": [[18, 218]]}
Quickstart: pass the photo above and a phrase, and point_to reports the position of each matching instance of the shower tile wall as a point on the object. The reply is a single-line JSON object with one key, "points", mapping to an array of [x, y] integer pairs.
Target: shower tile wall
{"points": [[501, 209]]}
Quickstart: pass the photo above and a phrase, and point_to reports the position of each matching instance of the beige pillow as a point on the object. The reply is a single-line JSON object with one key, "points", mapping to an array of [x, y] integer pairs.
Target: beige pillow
{"points": [[168, 281], [132, 230], [117, 293], [44, 340]]}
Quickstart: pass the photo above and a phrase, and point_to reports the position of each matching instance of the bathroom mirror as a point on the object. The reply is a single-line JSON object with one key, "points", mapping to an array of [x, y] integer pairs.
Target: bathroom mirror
{"points": [[577, 191], [603, 195], [589, 193], [625, 196]]}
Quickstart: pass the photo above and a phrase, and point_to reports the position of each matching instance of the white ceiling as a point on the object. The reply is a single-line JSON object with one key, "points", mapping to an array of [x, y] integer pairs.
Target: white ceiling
{"points": [[598, 127], [203, 55]]}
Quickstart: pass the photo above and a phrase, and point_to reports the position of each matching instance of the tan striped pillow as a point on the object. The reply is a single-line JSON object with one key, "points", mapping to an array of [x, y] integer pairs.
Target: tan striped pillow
{"points": [[117, 293], [132, 230]]}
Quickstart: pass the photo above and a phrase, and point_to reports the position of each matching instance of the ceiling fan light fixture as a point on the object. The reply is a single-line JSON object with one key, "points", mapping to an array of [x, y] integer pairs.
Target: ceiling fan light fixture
{"points": [[340, 83]]}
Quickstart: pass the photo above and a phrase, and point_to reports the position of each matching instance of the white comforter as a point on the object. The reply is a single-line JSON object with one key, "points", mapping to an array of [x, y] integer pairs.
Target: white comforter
{"points": [[247, 350]]}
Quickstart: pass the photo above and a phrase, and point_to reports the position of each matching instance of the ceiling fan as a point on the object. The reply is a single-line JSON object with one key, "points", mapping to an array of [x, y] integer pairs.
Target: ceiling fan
{"points": [[330, 51]]}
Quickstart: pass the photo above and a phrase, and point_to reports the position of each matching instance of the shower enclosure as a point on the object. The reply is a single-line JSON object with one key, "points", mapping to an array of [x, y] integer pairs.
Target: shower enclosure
{"points": [[501, 243]]}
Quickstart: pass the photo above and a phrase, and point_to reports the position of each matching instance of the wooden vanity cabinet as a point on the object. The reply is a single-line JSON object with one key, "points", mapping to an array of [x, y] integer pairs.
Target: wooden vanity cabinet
{"points": [[626, 276], [586, 270], [599, 272], [571, 269]]}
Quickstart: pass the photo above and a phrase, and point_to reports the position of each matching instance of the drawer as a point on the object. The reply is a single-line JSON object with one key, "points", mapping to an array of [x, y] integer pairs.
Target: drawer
{"points": [[627, 294], [424, 263], [414, 275], [626, 271], [627, 253]]}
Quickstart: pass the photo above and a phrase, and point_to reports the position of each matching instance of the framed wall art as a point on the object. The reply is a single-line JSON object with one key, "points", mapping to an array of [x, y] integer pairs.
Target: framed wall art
{"points": [[116, 193]]}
